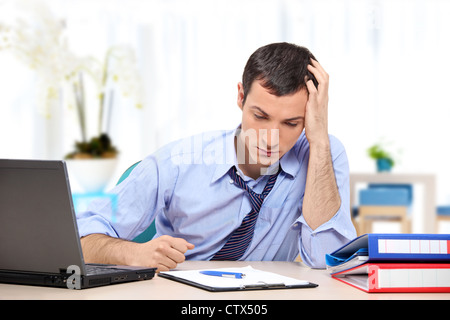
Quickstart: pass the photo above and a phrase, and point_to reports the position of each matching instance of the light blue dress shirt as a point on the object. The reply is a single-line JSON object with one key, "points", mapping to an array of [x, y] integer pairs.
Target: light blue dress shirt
{"points": [[186, 188]]}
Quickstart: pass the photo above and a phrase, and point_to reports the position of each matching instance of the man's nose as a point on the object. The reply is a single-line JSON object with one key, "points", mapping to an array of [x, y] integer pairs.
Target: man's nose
{"points": [[270, 138]]}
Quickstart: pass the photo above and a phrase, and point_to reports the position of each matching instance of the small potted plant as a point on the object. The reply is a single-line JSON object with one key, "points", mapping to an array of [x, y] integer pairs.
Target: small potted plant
{"points": [[383, 158]]}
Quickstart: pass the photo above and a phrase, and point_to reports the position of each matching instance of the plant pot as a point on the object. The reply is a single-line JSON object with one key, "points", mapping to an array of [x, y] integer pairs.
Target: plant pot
{"points": [[93, 175], [384, 165]]}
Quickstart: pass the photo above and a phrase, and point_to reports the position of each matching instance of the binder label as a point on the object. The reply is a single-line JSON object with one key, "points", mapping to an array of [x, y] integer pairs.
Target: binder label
{"points": [[413, 246], [373, 277]]}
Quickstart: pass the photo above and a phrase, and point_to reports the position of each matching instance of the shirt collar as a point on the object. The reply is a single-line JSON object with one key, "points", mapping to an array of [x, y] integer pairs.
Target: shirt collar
{"points": [[290, 163], [229, 159]]}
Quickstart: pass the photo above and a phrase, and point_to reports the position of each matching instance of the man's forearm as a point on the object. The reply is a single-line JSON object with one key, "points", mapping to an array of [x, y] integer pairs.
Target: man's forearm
{"points": [[100, 248], [321, 200], [163, 253]]}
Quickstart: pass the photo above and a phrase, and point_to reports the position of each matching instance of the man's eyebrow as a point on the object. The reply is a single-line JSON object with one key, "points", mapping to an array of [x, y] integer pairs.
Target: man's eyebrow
{"points": [[295, 118], [260, 110]]}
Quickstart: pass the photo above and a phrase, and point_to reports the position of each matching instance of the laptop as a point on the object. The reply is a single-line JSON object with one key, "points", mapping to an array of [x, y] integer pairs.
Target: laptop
{"points": [[39, 240]]}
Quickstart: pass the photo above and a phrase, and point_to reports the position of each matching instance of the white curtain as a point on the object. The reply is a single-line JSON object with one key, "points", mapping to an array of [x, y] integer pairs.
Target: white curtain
{"points": [[387, 59]]}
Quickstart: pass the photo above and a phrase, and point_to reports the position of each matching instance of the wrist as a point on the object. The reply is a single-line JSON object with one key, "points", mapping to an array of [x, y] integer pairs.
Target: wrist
{"points": [[320, 144], [130, 253], [118, 251]]}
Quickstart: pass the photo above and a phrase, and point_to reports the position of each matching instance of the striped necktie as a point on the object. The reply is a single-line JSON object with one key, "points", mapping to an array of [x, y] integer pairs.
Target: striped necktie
{"points": [[239, 241]]}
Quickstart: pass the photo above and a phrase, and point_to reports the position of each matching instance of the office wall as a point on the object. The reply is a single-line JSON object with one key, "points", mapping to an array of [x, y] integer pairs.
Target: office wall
{"points": [[388, 62]]}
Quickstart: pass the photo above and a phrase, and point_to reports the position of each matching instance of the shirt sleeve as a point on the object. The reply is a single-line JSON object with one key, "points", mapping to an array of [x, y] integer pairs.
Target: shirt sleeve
{"points": [[333, 234], [138, 198]]}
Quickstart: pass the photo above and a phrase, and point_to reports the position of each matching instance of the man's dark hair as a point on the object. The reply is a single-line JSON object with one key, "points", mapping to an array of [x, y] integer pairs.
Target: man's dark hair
{"points": [[281, 68]]}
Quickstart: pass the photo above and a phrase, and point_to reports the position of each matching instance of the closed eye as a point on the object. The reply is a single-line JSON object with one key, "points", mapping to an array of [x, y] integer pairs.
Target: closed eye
{"points": [[291, 124], [260, 117]]}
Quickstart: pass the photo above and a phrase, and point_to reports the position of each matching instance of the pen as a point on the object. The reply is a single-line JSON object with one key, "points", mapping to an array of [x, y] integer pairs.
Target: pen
{"points": [[236, 275]]}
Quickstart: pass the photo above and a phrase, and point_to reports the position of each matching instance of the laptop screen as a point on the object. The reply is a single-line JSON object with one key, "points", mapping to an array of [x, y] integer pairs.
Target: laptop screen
{"points": [[38, 230]]}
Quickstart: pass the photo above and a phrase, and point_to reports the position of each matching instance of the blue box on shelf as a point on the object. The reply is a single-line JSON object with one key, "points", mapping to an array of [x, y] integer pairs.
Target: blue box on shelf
{"points": [[384, 197]]}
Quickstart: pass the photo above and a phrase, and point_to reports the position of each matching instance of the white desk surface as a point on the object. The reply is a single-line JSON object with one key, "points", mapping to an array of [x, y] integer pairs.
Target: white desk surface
{"points": [[164, 289]]}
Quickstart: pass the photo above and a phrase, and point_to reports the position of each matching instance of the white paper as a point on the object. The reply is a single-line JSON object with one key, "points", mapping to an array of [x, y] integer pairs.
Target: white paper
{"points": [[252, 277]]}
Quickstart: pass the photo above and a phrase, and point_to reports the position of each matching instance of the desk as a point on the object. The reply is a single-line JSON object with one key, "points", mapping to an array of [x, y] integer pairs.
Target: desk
{"points": [[428, 216], [164, 289]]}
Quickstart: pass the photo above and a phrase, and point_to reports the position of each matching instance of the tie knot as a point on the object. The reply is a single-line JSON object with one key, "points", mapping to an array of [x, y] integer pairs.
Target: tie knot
{"points": [[256, 198]]}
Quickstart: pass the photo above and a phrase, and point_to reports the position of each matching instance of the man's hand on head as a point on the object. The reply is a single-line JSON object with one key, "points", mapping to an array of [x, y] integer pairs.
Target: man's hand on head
{"points": [[316, 114]]}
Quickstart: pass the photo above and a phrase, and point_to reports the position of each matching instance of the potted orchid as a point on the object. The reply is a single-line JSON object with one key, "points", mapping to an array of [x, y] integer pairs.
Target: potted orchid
{"points": [[117, 70], [94, 160], [38, 39]]}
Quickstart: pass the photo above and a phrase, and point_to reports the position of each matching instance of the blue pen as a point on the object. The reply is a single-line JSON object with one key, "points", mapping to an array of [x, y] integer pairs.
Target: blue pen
{"points": [[235, 275]]}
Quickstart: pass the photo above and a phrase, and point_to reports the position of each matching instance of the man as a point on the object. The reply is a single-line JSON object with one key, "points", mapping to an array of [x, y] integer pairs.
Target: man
{"points": [[276, 186]]}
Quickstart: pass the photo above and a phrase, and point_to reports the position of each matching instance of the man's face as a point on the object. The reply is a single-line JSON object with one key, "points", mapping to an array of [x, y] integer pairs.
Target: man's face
{"points": [[271, 125]]}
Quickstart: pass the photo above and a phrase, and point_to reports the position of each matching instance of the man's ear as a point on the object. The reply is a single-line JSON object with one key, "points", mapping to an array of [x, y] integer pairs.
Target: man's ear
{"points": [[240, 97]]}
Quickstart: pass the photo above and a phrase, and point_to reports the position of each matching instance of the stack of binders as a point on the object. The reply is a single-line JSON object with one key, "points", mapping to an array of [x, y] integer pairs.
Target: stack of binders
{"points": [[394, 263]]}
